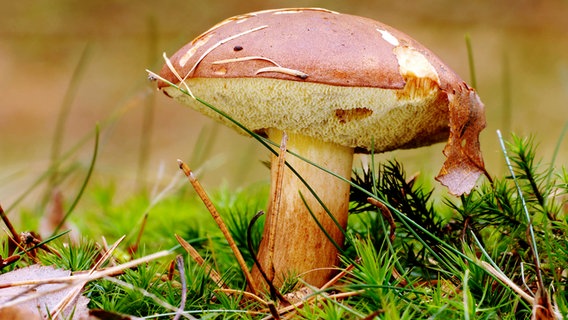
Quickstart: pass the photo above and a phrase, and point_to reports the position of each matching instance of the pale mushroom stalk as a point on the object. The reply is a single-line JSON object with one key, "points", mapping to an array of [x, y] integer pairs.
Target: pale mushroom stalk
{"points": [[300, 245]]}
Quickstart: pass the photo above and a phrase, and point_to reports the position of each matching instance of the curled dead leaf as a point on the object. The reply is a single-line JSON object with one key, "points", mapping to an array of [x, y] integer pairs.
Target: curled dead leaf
{"points": [[464, 163]]}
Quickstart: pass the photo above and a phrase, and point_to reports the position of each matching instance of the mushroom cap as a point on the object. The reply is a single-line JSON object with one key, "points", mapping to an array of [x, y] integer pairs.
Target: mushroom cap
{"points": [[335, 77]]}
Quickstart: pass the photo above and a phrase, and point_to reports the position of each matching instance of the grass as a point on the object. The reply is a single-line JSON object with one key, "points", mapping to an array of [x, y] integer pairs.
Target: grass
{"points": [[432, 268], [409, 254]]}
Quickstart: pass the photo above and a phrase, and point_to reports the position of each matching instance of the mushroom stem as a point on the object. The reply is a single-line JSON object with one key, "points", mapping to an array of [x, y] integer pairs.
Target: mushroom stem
{"points": [[300, 246]]}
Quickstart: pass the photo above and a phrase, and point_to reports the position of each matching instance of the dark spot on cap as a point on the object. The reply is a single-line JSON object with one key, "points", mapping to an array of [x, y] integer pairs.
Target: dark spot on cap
{"points": [[237, 48]]}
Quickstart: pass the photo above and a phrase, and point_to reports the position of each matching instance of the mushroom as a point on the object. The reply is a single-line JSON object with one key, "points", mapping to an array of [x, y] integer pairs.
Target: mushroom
{"points": [[335, 84]]}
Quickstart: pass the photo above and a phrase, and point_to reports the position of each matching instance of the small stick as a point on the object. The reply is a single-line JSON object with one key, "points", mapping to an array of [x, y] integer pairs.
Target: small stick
{"points": [[246, 294], [214, 275], [338, 277], [310, 299], [201, 193], [8, 224], [275, 206], [273, 310], [132, 249]]}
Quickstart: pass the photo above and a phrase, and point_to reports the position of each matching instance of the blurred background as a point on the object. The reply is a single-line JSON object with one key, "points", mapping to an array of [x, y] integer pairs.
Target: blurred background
{"points": [[68, 65]]}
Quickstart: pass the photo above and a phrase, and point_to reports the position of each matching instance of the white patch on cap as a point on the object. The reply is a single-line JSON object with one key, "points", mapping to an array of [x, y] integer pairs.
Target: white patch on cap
{"points": [[414, 64], [288, 11], [389, 37], [196, 45]]}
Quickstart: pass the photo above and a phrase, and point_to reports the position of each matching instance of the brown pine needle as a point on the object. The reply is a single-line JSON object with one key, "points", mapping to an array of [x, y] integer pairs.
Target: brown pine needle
{"points": [[8, 224], [207, 202], [275, 207], [213, 274], [338, 277], [246, 294], [386, 214], [313, 298], [134, 248]]}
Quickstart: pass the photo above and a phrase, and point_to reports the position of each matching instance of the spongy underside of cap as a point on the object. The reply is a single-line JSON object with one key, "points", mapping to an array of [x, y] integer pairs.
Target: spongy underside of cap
{"points": [[355, 117]]}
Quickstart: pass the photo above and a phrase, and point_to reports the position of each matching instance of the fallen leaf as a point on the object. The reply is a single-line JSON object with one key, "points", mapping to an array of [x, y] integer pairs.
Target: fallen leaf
{"points": [[18, 313], [35, 301], [464, 163]]}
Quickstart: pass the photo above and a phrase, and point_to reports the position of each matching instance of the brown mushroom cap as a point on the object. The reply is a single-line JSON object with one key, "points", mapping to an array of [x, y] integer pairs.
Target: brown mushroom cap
{"points": [[334, 77]]}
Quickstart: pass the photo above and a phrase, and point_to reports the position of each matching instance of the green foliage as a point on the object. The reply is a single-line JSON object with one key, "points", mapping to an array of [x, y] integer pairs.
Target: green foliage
{"points": [[491, 219], [74, 257], [431, 269]]}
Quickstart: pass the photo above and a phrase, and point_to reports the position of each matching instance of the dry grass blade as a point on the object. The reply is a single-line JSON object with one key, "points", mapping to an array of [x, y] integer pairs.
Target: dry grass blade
{"points": [[288, 71], [134, 248], [216, 45], [499, 275], [288, 310], [73, 294], [201, 193], [90, 277], [542, 308], [338, 277], [181, 269], [247, 58], [174, 71], [150, 295], [213, 274], [244, 293]]}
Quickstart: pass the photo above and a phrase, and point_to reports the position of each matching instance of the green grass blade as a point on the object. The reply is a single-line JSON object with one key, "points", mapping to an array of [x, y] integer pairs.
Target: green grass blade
{"points": [[85, 182], [534, 249], [64, 113]]}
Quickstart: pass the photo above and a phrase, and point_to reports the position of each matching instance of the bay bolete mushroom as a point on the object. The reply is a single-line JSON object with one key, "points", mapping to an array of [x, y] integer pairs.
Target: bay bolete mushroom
{"points": [[335, 83]]}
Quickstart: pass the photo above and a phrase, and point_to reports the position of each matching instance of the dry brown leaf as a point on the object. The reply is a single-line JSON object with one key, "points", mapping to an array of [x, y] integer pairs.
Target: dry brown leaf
{"points": [[38, 300], [543, 309], [18, 313], [464, 163]]}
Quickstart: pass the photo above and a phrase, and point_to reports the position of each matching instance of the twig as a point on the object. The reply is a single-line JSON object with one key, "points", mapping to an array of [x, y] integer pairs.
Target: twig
{"points": [[273, 310], [89, 277], [300, 304], [132, 249], [275, 293], [214, 275], [275, 207], [244, 293], [340, 275], [201, 192], [8, 224]]}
